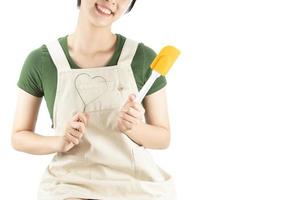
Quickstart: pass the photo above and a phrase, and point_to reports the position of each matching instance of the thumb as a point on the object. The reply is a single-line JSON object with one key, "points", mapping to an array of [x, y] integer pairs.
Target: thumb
{"points": [[131, 97]]}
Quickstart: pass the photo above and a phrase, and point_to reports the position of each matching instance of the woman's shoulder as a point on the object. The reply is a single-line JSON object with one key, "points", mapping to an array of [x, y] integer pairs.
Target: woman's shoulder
{"points": [[148, 52], [34, 59], [30, 76], [38, 56], [38, 60], [39, 53], [143, 49]]}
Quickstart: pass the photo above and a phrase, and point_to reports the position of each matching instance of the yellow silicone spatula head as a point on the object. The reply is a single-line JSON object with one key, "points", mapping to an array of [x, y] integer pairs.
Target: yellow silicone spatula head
{"points": [[165, 59]]}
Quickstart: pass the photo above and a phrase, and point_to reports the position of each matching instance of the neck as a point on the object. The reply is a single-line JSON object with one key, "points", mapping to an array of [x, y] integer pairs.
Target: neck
{"points": [[89, 39]]}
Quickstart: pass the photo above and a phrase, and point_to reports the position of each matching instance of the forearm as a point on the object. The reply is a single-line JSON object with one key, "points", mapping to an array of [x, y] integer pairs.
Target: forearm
{"points": [[30, 142], [150, 136]]}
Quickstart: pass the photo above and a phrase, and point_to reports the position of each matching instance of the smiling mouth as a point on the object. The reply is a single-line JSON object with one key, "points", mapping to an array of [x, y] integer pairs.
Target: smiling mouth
{"points": [[103, 10]]}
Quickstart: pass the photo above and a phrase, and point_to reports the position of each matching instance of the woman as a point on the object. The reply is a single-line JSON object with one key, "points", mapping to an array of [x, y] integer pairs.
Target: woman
{"points": [[89, 80]]}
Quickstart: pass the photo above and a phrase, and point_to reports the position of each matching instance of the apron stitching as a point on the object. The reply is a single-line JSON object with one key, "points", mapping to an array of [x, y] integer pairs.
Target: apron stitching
{"points": [[125, 77], [133, 162], [56, 99]]}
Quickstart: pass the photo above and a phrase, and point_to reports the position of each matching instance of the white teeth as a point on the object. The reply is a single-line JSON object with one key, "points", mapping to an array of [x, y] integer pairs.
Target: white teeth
{"points": [[104, 10]]}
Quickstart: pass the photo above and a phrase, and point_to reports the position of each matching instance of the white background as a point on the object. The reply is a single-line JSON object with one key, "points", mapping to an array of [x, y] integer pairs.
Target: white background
{"points": [[233, 94]]}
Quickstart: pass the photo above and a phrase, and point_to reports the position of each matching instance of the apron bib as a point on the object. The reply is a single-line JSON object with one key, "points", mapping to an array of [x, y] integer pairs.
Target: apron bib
{"points": [[106, 164]]}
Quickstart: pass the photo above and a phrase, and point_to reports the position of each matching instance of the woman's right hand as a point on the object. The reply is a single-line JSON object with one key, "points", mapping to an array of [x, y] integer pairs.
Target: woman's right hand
{"points": [[73, 133]]}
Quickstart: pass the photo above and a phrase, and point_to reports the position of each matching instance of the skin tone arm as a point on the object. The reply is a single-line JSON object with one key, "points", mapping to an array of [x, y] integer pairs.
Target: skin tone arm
{"points": [[155, 133], [26, 140]]}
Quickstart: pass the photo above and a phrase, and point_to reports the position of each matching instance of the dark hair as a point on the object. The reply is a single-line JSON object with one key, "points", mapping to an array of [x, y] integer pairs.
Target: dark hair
{"points": [[129, 8]]}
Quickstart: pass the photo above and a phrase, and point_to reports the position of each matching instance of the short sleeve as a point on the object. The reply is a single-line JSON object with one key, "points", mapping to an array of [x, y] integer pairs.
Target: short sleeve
{"points": [[161, 81], [30, 76]]}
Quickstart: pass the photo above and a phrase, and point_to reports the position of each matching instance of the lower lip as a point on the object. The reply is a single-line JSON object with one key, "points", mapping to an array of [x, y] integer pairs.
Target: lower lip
{"points": [[99, 12]]}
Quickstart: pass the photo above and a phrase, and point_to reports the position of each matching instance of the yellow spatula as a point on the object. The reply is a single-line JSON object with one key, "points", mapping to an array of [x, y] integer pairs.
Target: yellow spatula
{"points": [[160, 66]]}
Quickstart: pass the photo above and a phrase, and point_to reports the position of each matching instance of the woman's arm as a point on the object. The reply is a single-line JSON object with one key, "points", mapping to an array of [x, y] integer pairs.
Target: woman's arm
{"points": [[155, 133], [23, 136]]}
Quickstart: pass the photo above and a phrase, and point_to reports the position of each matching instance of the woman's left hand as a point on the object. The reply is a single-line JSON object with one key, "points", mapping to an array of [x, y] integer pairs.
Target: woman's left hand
{"points": [[130, 115]]}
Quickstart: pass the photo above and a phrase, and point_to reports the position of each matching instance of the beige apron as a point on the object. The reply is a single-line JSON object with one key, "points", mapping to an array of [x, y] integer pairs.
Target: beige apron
{"points": [[107, 164]]}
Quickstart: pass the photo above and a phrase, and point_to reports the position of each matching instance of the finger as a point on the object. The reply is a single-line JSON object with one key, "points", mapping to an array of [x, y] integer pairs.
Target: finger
{"points": [[137, 106], [71, 139], [129, 118], [78, 126], [121, 126], [124, 108], [76, 133], [133, 112], [127, 124], [132, 97], [81, 117], [75, 117]]}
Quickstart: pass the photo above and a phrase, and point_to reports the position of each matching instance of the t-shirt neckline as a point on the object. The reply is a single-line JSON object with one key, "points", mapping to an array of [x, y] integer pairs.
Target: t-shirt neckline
{"points": [[112, 61]]}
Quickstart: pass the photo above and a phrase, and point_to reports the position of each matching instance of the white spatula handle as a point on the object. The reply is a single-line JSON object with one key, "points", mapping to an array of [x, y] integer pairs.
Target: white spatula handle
{"points": [[147, 86]]}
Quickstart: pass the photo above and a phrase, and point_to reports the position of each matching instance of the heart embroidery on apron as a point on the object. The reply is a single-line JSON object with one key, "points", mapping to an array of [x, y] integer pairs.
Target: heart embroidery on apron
{"points": [[90, 88]]}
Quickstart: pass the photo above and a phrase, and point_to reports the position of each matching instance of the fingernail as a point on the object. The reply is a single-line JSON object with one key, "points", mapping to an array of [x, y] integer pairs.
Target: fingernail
{"points": [[133, 96]]}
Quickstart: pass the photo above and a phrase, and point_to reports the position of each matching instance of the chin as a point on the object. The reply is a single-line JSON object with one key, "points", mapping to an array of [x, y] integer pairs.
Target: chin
{"points": [[98, 22], [102, 25], [102, 21]]}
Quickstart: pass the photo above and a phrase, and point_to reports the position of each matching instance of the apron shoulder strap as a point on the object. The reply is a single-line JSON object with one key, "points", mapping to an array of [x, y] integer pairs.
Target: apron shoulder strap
{"points": [[58, 56], [128, 52]]}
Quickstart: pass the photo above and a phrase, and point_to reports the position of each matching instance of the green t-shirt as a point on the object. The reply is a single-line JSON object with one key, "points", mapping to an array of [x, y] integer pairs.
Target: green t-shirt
{"points": [[38, 76]]}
